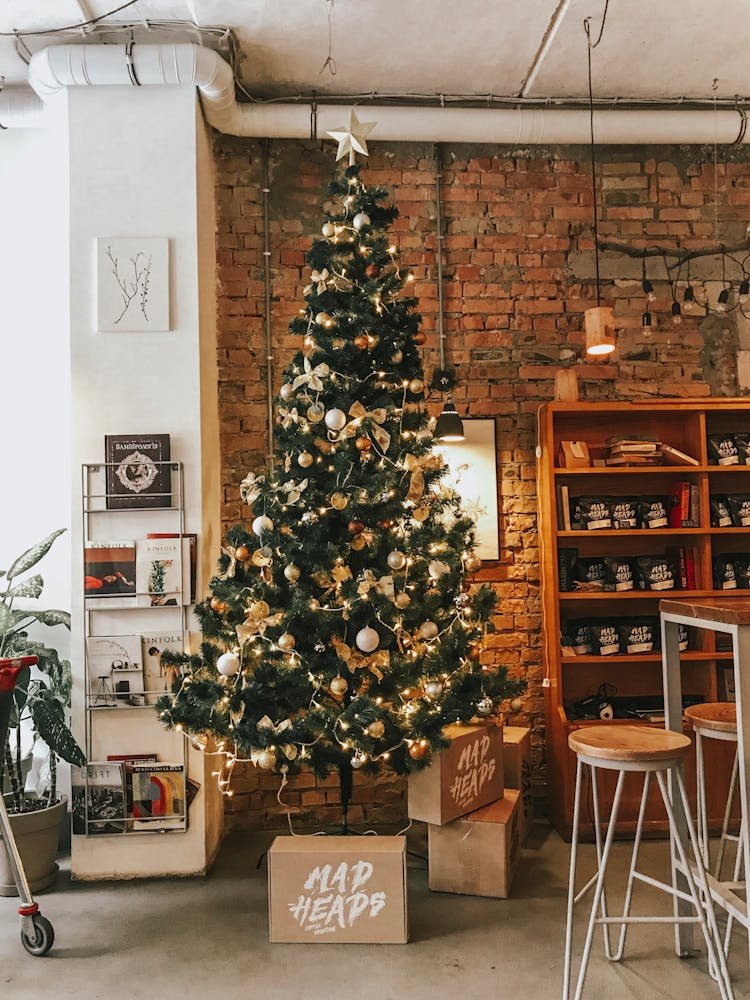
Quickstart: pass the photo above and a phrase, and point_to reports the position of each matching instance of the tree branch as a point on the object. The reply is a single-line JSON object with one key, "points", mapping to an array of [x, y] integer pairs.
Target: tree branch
{"points": [[679, 256]]}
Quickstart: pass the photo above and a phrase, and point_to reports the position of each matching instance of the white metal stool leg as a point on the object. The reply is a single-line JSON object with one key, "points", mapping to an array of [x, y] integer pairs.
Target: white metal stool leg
{"points": [[598, 836], [725, 834], [572, 880], [702, 808], [633, 873]]}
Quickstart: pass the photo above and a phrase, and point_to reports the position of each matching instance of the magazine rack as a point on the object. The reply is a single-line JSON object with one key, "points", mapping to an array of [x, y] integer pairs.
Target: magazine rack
{"points": [[133, 791]]}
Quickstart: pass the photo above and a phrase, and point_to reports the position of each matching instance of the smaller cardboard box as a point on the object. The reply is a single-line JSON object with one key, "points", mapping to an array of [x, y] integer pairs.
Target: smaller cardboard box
{"points": [[477, 855], [466, 776], [517, 766], [337, 890]]}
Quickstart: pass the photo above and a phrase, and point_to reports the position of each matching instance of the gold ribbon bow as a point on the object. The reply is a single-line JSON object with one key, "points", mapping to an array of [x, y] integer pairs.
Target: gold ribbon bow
{"points": [[417, 466], [378, 416], [374, 662], [231, 551], [257, 619], [288, 417], [288, 749], [294, 490], [383, 586], [250, 487], [318, 278], [311, 376]]}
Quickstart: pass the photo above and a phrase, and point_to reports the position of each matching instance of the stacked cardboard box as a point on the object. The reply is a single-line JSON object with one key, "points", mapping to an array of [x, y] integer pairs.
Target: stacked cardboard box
{"points": [[475, 825]]}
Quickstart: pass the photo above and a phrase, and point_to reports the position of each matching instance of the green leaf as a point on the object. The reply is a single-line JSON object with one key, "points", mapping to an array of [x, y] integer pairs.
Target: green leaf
{"points": [[53, 617], [32, 556], [49, 721], [32, 587]]}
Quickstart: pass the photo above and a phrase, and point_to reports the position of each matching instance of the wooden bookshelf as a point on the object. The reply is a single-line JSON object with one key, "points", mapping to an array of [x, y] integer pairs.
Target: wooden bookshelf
{"points": [[684, 425]]}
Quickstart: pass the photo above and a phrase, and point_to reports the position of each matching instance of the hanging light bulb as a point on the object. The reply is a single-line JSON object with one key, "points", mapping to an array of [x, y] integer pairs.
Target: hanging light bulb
{"points": [[647, 325], [648, 288], [721, 303], [689, 295], [600, 330], [449, 426], [676, 313], [744, 290]]}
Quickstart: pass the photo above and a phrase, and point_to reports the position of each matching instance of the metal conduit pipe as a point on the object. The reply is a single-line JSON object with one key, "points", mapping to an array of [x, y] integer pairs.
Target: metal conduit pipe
{"points": [[57, 67]]}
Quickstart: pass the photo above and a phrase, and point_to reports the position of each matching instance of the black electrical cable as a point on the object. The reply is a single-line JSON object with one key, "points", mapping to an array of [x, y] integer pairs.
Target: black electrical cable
{"points": [[593, 45], [69, 27]]}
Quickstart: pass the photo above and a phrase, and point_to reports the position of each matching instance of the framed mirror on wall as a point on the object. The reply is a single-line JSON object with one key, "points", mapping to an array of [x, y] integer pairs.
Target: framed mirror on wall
{"points": [[473, 475]]}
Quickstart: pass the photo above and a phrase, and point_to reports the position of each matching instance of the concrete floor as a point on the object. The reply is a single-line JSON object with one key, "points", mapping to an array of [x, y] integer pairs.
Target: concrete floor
{"points": [[205, 938]]}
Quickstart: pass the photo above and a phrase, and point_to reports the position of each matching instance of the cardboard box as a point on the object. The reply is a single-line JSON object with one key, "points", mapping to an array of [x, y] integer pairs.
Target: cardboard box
{"points": [[517, 768], [337, 890], [477, 855], [466, 776]]}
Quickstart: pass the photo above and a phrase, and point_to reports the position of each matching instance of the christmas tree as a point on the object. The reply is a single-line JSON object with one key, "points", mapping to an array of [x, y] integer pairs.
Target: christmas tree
{"points": [[341, 631]]}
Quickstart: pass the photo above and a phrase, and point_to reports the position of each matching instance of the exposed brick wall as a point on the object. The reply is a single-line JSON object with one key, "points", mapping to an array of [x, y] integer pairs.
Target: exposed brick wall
{"points": [[519, 269]]}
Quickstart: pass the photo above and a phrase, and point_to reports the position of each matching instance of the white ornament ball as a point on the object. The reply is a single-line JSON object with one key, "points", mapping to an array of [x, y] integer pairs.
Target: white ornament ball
{"points": [[485, 706], [286, 392], [438, 568], [228, 664], [428, 630], [266, 759], [367, 639], [304, 459], [396, 560], [285, 641], [360, 220], [402, 600], [338, 685], [291, 572], [335, 420], [328, 230], [262, 524], [357, 762], [433, 690]]}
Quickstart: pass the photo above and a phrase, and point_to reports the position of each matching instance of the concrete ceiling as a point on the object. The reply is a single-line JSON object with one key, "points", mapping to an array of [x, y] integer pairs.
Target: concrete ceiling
{"points": [[651, 49]]}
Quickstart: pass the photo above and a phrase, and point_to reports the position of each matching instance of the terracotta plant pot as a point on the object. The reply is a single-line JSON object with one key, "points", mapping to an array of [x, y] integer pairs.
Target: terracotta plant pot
{"points": [[36, 834]]}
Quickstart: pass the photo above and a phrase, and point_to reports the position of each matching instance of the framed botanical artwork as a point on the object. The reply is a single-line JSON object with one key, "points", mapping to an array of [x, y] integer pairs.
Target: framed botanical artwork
{"points": [[132, 283], [473, 474]]}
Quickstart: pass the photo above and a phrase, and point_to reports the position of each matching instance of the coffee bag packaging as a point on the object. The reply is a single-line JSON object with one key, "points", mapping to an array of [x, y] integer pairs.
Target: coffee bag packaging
{"points": [[577, 636], [639, 636], [624, 512], [656, 573], [739, 507], [721, 515], [593, 513], [725, 577], [741, 563], [619, 574], [590, 574], [722, 450], [605, 639], [742, 444], [653, 512], [683, 640]]}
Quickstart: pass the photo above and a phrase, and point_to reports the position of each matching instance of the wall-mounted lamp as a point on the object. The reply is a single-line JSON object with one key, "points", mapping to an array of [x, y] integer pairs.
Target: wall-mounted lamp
{"points": [[449, 426]]}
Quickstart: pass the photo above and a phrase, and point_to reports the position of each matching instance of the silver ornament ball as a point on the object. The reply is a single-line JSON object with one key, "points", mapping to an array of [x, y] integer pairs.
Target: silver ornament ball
{"points": [[367, 639], [228, 664], [262, 524], [286, 392], [433, 690], [335, 420], [266, 759], [360, 220], [485, 706]]}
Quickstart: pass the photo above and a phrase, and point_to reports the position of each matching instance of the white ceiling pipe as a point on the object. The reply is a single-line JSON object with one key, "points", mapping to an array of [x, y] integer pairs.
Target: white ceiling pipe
{"points": [[57, 67], [20, 107]]}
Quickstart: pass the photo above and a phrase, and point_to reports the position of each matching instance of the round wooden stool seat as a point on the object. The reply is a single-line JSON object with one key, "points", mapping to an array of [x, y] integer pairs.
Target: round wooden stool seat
{"points": [[719, 716], [635, 744]]}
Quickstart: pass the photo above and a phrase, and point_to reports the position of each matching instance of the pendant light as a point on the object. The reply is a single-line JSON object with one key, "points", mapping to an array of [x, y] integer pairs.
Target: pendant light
{"points": [[599, 322], [449, 426]]}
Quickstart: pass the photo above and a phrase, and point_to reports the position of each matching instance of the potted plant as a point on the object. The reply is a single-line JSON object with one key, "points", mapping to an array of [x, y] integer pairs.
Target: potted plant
{"points": [[42, 702]]}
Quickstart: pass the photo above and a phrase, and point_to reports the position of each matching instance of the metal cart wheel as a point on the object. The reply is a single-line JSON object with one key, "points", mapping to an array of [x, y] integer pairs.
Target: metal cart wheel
{"points": [[38, 938]]}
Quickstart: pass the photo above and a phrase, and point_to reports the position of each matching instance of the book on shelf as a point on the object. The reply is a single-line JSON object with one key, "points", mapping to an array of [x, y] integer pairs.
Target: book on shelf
{"points": [[115, 666], [158, 796], [158, 572], [679, 511], [138, 471], [563, 508], [159, 676], [189, 561], [128, 761], [98, 798], [633, 441], [695, 507], [108, 572], [673, 456], [653, 458]]}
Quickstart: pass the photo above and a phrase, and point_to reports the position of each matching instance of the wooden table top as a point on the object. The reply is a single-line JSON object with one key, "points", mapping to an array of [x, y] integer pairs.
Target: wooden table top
{"points": [[725, 610]]}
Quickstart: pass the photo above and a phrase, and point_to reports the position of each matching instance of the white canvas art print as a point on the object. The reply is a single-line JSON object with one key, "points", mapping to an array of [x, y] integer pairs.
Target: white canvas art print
{"points": [[132, 284], [473, 475]]}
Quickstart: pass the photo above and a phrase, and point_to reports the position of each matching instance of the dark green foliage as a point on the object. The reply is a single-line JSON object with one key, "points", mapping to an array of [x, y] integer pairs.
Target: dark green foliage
{"points": [[295, 631]]}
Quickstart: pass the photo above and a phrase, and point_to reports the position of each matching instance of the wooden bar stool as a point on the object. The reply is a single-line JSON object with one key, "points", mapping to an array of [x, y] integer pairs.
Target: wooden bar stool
{"points": [[652, 752]]}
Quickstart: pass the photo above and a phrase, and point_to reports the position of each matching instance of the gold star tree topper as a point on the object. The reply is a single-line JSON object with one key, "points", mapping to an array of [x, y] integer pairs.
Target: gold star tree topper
{"points": [[351, 138]]}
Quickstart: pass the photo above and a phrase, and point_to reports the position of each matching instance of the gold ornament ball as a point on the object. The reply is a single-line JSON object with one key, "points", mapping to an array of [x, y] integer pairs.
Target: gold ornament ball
{"points": [[396, 560], [286, 392], [218, 605], [421, 514], [433, 690], [416, 386], [338, 686], [418, 750], [472, 563], [376, 729], [338, 501], [328, 230], [262, 556], [419, 338], [361, 342], [397, 357], [305, 459], [428, 630], [291, 572], [286, 641], [242, 552], [315, 413], [363, 444], [322, 318], [403, 600], [358, 542], [266, 759]]}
